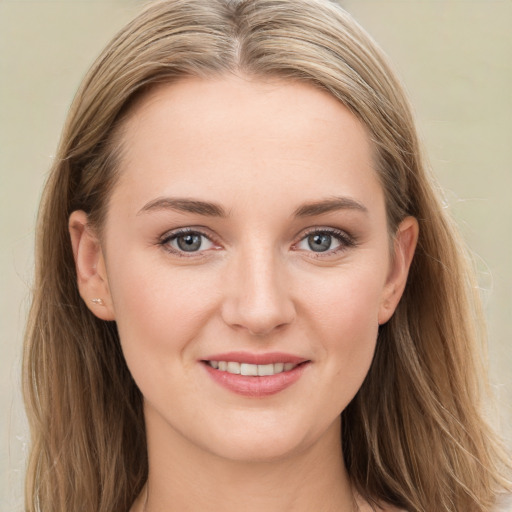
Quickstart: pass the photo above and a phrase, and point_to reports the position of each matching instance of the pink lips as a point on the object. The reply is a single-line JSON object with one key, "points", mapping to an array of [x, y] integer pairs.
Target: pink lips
{"points": [[251, 358], [260, 386]]}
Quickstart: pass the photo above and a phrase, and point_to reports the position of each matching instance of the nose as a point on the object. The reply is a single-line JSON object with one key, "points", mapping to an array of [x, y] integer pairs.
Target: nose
{"points": [[257, 298]]}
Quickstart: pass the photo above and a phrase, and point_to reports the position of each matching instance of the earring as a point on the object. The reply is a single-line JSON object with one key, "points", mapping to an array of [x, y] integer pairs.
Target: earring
{"points": [[98, 301]]}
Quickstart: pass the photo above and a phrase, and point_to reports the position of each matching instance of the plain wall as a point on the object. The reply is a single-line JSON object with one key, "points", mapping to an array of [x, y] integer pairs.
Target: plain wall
{"points": [[455, 57]]}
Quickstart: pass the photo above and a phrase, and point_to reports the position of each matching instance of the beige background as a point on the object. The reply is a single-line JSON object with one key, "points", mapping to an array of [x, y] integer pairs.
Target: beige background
{"points": [[455, 58]]}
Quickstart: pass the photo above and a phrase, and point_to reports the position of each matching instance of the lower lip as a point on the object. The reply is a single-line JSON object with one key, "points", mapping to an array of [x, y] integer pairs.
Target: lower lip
{"points": [[256, 386]]}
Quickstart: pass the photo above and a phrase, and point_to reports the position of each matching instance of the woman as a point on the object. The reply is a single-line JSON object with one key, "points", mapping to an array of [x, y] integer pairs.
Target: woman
{"points": [[248, 294]]}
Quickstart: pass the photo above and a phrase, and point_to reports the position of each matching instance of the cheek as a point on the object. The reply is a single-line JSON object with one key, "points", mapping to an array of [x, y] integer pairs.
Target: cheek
{"points": [[344, 319], [347, 302], [158, 309]]}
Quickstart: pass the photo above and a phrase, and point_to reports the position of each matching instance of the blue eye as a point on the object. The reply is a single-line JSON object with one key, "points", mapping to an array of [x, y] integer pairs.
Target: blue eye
{"points": [[320, 242], [187, 241], [325, 241]]}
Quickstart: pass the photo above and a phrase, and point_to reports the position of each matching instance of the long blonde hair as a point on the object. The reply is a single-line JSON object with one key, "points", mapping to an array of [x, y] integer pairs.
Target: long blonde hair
{"points": [[414, 436]]}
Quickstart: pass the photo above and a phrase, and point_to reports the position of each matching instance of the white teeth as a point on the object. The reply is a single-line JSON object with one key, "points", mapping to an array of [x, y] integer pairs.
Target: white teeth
{"points": [[249, 369], [265, 369], [233, 367], [253, 370]]}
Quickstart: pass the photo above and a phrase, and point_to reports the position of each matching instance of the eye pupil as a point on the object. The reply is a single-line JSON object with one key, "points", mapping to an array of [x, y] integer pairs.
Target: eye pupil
{"points": [[319, 242], [189, 243]]}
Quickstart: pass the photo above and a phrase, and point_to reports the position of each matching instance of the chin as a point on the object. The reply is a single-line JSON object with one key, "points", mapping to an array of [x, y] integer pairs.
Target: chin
{"points": [[258, 449], [268, 442]]}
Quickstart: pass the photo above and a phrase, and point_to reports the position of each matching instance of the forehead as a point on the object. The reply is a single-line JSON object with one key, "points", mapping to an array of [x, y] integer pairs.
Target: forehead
{"points": [[234, 137]]}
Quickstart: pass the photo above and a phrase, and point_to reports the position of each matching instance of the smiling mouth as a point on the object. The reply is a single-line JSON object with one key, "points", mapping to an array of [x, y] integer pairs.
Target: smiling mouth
{"points": [[274, 373], [252, 370]]}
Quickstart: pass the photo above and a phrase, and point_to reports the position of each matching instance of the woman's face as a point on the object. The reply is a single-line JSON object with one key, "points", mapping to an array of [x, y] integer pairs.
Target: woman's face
{"points": [[247, 233]]}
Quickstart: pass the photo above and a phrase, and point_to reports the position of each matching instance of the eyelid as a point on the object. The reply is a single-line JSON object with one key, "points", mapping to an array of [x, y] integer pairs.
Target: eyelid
{"points": [[346, 240], [165, 239]]}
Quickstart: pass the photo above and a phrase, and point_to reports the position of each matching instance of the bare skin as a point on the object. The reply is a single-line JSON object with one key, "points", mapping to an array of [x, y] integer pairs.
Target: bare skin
{"points": [[249, 217]]}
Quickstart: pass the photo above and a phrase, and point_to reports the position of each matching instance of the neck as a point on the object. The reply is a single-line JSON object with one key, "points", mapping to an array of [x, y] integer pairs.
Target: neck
{"points": [[186, 478]]}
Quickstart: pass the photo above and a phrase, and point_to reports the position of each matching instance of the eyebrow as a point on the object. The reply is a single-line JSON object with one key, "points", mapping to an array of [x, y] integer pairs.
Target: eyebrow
{"points": [[184, 205], [209, 209], [329, 205]]}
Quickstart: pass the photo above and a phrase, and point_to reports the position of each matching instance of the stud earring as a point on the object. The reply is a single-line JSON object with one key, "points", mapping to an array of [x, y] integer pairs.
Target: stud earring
{"points": [[98, 301]]}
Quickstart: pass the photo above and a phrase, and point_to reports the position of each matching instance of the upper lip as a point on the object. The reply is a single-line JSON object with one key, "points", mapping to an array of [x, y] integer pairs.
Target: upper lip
{"points": [[255, 358]]}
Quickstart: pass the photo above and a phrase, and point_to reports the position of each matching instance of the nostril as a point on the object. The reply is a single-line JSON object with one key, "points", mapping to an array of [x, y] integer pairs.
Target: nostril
{"points": [[265, 331], [257, 299]]}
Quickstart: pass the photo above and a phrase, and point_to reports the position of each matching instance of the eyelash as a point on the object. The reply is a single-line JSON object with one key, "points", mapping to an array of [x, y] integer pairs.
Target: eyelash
{"points": [[166, 239], [345, 240]]}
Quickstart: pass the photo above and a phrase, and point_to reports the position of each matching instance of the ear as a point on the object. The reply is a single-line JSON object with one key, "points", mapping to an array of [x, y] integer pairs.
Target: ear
{"points": [[404, 246], [90, 266]]}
